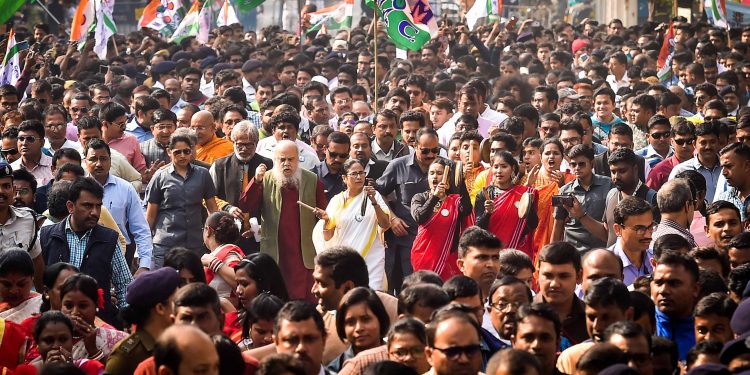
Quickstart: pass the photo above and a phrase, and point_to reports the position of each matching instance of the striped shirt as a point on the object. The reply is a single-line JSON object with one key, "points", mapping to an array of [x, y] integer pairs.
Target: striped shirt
{"points": [[667, 226], [121, 276]]}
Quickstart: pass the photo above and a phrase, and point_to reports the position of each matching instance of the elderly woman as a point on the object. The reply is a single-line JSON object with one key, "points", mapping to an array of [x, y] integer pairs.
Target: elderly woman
{"points": [[354, 217], [175, 199]]}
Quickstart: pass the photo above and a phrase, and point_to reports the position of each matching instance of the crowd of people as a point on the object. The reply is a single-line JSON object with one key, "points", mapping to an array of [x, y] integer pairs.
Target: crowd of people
{"points": [[511, 199]]}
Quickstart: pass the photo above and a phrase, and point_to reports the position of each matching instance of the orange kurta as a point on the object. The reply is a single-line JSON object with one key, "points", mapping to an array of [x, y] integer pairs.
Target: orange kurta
{"points": [[216, 148]]}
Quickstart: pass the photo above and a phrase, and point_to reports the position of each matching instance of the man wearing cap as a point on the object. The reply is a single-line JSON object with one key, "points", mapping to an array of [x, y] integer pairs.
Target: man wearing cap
{"points": [[160, 72], [17, 225], [94, 249], [251, 73], [150, 310], [566, 96]]}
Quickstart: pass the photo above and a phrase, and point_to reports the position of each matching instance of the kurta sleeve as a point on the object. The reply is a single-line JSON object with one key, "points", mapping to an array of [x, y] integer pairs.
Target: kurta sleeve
{"points": [[252, 198]]}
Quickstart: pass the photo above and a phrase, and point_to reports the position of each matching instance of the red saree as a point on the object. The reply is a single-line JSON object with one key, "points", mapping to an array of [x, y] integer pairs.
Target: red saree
{"points": [[432, 246], [506, 224]]}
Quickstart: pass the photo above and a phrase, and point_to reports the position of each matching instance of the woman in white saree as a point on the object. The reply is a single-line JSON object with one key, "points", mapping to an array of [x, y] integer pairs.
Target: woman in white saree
{"points": [[352, 219]]}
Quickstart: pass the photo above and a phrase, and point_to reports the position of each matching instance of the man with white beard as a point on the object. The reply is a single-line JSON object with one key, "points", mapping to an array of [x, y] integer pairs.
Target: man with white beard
{"points": [[232, 174], [286, 232]]}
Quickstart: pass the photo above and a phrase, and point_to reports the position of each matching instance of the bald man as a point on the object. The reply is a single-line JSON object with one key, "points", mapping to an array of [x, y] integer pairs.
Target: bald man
{"points": [[184, 349], [209, 147], [596, 264], [274, 195]]}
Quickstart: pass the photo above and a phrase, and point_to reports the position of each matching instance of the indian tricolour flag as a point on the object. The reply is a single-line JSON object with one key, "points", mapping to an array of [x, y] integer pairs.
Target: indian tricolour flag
{"points": [[334, 17], [716, 11], [227, 15], [483, 9], [10, 71]]}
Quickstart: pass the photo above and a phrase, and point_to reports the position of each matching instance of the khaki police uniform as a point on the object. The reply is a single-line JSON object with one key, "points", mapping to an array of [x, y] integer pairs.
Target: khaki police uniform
{"points": [[130, 352]]}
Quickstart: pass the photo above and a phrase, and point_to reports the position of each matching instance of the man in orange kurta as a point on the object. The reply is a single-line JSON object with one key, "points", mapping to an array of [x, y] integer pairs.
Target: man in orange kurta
{"points": [[209, 147]]}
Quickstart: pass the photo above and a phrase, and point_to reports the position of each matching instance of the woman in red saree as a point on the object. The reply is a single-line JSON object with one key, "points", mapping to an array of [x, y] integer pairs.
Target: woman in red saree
{"points": [[442, 216], [506, 209]]}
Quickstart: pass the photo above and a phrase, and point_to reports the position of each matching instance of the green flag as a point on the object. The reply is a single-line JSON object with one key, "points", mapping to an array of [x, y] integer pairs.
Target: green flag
{"points": [[8, 10], [400, 25], [247, 5]]}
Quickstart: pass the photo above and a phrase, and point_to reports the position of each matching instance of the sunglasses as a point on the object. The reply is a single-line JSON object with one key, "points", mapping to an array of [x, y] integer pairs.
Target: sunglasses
{"points": [[29, 138], [184, 151], [454, 352], [663, 135], [682, 142], [76, 110], [427, 151], [10, 151], [335, 155]]}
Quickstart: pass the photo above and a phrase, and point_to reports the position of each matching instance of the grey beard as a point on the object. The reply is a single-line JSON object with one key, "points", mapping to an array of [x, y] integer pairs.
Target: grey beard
{"points": [[292, 181]]}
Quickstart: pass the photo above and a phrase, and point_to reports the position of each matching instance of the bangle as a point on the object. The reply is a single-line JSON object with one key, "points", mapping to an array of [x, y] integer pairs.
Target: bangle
{"points": [[97, 356], [215, 265]]}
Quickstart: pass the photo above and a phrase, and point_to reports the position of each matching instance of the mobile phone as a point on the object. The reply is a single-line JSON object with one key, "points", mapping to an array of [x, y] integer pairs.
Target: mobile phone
{"points": [[562, 200], [512, 23], [103, 69], [584, 57]]}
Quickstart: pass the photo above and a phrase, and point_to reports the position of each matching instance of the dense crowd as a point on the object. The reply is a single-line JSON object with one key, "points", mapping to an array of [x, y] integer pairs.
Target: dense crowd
{"points": [[511, 199]]}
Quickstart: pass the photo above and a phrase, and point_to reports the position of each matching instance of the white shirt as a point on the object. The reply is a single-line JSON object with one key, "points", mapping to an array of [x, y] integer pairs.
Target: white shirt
{"points": [[68, 144], [249, 90]]}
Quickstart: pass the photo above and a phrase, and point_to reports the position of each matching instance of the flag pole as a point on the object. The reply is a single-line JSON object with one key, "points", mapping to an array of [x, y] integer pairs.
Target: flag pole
{"points": [[375, 53], [48, 12]]}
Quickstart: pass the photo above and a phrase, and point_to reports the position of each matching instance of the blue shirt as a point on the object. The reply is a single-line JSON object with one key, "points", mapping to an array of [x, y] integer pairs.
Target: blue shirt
{"points": [[123, 202], [629, 271], [679, 330], [121, 276], [134, 128], [732, 195], [601, 128], [711, 174]]}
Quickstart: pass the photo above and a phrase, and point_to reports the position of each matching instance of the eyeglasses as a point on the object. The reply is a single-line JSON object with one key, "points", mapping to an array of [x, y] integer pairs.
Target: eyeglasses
{"points": [[357, 174], [454, 352], [682, 142], [243, 145], [163, 127], [10, 151], [184, 151], [23, 191], [403, 353], [343, 101], [575, 165], [503, 305], [198, 128], [335, 155], [662, 135], [54, 126], [25, 138], [427, 151], [642, 229], [79, 109]]}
